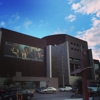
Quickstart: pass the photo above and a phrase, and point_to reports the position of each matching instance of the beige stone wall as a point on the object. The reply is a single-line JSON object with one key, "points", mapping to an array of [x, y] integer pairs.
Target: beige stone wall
{"points": [[73, 79], [50, 81]]}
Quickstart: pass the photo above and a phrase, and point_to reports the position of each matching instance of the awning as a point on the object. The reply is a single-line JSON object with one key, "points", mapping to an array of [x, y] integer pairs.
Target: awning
{"points": [[77, 71], [80, 70]]}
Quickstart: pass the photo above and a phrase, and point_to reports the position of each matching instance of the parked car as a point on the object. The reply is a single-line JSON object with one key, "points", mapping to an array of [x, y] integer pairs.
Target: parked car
{"points": [[66, 88], [13, 95], [39, 89], [1, 91], [48, 90], [93, 87]]}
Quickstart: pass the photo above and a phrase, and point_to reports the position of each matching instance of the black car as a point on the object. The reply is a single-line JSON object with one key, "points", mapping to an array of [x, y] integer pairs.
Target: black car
{"points": [[15, 94], [1, 91]]}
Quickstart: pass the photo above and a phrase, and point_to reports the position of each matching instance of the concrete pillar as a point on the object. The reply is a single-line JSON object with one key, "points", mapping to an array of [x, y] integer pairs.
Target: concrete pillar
{"points": [[49, 61]]}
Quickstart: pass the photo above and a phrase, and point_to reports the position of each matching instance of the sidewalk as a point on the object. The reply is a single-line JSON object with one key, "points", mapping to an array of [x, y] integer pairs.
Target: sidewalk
{"points": [[78, 98]]}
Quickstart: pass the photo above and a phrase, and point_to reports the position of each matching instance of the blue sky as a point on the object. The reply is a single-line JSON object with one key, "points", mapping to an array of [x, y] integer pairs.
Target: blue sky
{"points": [[39, 18]]}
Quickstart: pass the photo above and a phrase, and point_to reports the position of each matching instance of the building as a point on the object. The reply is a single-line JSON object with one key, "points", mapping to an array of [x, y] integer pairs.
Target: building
{"points": [[23, 59], [96, 72], [51, 60], [67, 55]]}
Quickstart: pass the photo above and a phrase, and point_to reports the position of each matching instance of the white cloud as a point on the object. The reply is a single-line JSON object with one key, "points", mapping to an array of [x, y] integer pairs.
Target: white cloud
{"points": [[98, 14], [59, 31], [71, 18], [17, 28], [95, 22], [16, 16], [92, 37], [2, 23], [76, 6], [92, 34], [42, 23], [70, 1], [27, 24], [87, 6]]}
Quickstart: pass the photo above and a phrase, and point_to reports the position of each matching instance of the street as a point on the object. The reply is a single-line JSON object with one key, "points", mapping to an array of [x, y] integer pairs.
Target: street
{"points": [[56, 96]]}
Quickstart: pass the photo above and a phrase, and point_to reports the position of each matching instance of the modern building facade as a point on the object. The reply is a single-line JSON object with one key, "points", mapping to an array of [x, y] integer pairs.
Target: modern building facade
{"points": [[23, 58], [67, 54], [47, 61], [97, 69]]}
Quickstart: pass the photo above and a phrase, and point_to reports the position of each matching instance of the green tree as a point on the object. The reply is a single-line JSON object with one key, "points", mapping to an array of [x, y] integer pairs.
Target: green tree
{"points": [[8, 82]]}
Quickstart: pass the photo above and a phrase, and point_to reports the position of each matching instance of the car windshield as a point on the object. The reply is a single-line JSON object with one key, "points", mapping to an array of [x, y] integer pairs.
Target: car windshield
{"points": [[44, 88], [93, 85], [23, 91]]}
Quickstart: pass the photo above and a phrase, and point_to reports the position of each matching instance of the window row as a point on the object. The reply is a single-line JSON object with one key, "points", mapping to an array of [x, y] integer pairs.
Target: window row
{"points": [[75, 49], [74, 59], [76, 44]]}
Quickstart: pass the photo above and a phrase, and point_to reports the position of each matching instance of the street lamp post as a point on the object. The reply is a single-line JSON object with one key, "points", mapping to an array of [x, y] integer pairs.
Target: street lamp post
{"points": [[62, 72], [83, 75]]}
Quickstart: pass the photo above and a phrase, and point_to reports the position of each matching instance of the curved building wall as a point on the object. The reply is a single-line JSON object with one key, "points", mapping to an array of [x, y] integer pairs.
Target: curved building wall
{"points": [[60, 63]]}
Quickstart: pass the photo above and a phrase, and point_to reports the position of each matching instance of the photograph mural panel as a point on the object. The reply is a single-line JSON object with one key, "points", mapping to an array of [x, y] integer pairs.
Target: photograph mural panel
{"points": [[23, 51]]}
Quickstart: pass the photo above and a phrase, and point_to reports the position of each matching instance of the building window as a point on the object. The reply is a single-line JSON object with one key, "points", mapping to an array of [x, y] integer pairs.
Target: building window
{"points": [[71, 48], [71, 42], [70, 58], [78, 50], [76, 59], [72, 68], [75, 49], [82, 46], [77, 66]]}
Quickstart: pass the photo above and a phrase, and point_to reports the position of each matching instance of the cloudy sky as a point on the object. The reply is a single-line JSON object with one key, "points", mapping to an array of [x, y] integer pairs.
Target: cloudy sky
{"points": [[39, 18]]}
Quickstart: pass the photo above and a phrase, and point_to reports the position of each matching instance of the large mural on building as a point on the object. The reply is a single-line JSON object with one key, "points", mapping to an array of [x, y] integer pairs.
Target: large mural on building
{"points": [[23, 51]]}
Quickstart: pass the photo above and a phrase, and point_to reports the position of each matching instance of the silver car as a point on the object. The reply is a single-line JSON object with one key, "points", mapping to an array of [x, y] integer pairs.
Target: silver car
{"points": [[48, 90], [66, 88]]}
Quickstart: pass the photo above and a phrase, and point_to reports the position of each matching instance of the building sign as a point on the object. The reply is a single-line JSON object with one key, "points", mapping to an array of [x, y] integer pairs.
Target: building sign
{"points": [[23, 51]]}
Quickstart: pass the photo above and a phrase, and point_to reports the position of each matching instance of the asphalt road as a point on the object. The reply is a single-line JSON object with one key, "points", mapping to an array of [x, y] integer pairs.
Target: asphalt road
{"points": [[56, 96]]}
